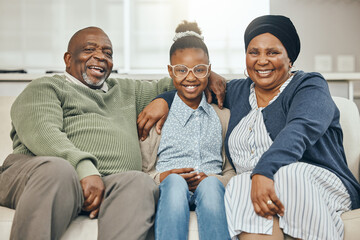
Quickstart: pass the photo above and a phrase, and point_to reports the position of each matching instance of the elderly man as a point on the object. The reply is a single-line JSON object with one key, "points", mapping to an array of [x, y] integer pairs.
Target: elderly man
{"points": [[76, 148]]}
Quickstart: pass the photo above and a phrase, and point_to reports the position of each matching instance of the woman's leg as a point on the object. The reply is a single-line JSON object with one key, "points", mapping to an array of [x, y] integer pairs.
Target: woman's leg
{"points": [[240, 213], [172, 215], [210, 210], [277, 233], [314, 198]]}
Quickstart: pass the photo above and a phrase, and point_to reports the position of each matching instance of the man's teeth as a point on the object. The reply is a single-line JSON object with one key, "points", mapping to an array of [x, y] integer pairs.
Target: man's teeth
{"points": [[188, 86], [97, 68], [264, 72]]}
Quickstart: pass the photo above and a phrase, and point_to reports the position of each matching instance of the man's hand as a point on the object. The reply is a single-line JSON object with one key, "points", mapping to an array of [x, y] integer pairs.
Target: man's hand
{"points": [[217, 84], [194, 180], [263, 196], [183, 171], [155, 112], [93, 190]]}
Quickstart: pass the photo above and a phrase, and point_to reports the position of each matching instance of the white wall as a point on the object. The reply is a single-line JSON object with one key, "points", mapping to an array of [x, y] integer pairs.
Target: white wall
{"points": [[326, 27], [34, 33]]}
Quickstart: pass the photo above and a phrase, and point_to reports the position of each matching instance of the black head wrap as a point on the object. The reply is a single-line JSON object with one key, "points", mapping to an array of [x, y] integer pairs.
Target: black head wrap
{"points": [[279, 26]]}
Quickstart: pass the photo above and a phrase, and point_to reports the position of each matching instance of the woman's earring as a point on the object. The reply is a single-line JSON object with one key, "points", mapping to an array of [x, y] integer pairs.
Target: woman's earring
{"points": [[245, 73], [291, 70]]}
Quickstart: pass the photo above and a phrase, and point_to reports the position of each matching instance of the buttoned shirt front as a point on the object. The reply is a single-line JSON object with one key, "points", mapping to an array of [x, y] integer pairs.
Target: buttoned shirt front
{"points": [[250, 138], [191, 138]]}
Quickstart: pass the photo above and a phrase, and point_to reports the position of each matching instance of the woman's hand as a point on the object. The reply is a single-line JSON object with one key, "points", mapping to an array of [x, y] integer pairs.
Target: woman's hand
{"points": [[155, 112], [263, 197], [183, 171]]}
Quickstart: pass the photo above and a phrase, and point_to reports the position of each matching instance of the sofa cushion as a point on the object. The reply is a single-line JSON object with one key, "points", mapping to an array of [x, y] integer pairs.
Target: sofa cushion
{"points": [[81, 228], [6, 217], [351, 221]]}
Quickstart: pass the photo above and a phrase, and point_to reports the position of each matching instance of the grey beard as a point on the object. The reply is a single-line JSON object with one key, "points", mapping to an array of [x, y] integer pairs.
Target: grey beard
{"points": [[90, 83]]}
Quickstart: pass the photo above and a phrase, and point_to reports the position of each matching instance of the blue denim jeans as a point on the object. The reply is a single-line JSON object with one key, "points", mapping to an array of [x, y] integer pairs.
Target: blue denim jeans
{"points": [[173, 209]]}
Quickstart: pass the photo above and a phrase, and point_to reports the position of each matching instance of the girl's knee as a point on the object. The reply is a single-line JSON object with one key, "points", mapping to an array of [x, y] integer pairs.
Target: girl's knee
{"points": [[210, 191], [174, 180], [211, 184], [174, 187]]}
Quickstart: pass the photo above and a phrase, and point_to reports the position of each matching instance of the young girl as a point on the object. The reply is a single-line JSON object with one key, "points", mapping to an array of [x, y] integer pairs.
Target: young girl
{"points": [[187, 161]]}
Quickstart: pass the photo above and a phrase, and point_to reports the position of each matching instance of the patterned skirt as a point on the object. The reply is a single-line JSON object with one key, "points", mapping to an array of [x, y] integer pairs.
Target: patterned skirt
{"points": [[313, 198]]}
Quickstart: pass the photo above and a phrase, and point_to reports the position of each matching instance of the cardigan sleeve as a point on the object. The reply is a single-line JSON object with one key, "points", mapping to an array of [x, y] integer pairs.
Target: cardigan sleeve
{"points": [[168, 97], [309, 115], [230, 93]]}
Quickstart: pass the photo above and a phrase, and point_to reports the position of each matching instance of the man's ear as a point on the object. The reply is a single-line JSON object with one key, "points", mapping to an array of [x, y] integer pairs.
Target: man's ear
{"points": [[67, 58]]}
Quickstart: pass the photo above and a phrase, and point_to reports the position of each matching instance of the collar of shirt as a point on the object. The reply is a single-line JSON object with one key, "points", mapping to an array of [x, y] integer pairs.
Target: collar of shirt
{"points": [[253, 103], [72, 79], [183, 112]]}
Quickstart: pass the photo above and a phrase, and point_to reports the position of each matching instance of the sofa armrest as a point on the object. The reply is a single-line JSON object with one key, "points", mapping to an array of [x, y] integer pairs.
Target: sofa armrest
{"points": [[350, 124]]}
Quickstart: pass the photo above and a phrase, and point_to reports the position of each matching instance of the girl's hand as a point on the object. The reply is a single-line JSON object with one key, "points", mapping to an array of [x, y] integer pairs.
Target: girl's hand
{"points": [[194, 180], [182, 171]]}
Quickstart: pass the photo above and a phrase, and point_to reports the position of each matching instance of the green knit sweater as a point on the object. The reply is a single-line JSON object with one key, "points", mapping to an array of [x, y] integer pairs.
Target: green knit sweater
{"points": [[94, 130]]}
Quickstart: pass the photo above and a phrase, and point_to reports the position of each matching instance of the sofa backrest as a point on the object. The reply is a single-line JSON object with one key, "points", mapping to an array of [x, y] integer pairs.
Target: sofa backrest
{"points": [[350, 124], [349, 120]]}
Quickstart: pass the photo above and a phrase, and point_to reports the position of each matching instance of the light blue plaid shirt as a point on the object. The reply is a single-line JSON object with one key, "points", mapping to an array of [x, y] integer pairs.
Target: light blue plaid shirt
{"points": [[191, 138]]}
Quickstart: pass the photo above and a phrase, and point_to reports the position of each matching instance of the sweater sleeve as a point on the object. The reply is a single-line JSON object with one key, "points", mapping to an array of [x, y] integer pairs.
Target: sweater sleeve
{"points": [[37, 118], [146, 91], [229, 93], [310, 114]]}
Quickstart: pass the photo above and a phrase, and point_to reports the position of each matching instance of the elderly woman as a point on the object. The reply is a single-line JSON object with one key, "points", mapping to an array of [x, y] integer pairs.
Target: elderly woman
{"points": [[285, 142]]}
